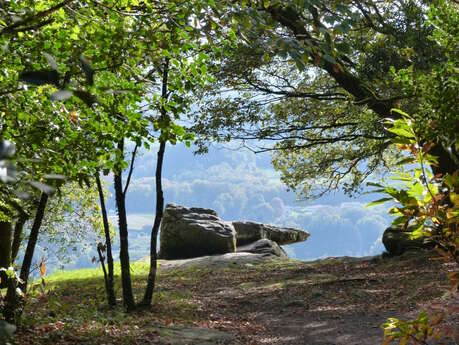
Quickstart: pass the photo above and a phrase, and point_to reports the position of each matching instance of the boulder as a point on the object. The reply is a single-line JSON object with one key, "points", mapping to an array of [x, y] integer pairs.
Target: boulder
{"points": [[193, 232], [264, 247], [247, 232], [397, 241]]}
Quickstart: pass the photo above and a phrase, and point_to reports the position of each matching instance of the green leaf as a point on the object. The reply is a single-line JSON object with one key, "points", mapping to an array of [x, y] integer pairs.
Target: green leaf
{"points": [[416, 190], [400, 112], [418, 232], [374, 184], [402, 132], [378, 202], [407, 160], [399, 221]]}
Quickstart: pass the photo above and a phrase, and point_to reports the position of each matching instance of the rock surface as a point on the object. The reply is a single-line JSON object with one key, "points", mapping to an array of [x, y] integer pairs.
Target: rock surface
{"points": [[263, 247], [177, 335], [194, 232], [396, 241], [217, 261], [247, 232]]}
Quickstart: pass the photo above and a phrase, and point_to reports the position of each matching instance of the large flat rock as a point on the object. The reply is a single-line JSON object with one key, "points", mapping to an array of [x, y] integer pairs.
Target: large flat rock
{"points": [[195, 232]]}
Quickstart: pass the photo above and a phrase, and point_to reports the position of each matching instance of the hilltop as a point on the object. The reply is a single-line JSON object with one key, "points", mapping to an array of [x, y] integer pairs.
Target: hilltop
{"points": [[330, 301]]}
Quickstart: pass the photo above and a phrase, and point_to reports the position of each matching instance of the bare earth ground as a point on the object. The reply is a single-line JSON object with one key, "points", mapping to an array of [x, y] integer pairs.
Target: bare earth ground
{"points": [[340, 301]]}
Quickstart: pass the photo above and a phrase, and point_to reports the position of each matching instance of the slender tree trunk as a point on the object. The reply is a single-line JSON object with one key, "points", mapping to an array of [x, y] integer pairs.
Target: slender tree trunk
{"points": [[109, 284], [18, 233], [6, 238], [128, 297], [28, 256], [10, 308], [102, 263], [154, 232], [159, 198], [13, 310]]}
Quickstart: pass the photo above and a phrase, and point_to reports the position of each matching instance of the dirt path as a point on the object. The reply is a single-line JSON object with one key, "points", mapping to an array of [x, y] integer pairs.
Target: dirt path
{"points": [[329, 302], [243, 300]]}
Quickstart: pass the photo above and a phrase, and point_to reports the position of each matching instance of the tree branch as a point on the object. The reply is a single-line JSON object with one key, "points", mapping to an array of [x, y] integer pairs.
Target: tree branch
{"points": [[290, 19], [131, 169], [298, 94], [16, 27]]}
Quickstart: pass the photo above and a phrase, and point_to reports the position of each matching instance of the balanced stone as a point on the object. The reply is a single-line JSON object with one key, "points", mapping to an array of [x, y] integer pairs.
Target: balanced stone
{"points": [[247, 232]]}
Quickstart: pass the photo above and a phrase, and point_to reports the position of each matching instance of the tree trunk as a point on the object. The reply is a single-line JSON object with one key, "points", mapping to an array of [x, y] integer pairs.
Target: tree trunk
{"points": [[154, 231], [128, 297], [12, 310], [6, 238], [291, 19], [159, 197], [109, 284], [18, 233]]}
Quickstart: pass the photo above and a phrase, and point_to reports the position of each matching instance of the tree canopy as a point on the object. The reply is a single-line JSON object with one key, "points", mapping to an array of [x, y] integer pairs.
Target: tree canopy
{"points": [[318, 79]]}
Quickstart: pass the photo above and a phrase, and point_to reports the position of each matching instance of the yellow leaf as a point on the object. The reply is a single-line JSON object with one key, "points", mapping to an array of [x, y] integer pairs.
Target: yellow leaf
{"points": [[454, 198], [42, 268]]}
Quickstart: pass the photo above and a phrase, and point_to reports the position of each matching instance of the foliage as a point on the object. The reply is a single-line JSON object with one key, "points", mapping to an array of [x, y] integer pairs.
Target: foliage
{"points": [[418, 331], [12, 274], [312, 80], [425, 202], [72, 223], [429, 201], [435, 89], [428, 204]]}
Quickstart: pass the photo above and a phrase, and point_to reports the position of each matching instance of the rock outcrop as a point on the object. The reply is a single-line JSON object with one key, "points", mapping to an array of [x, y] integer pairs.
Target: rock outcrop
{"points": [[194, 232], [264, 247], [247, 232], [397, 241]]}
